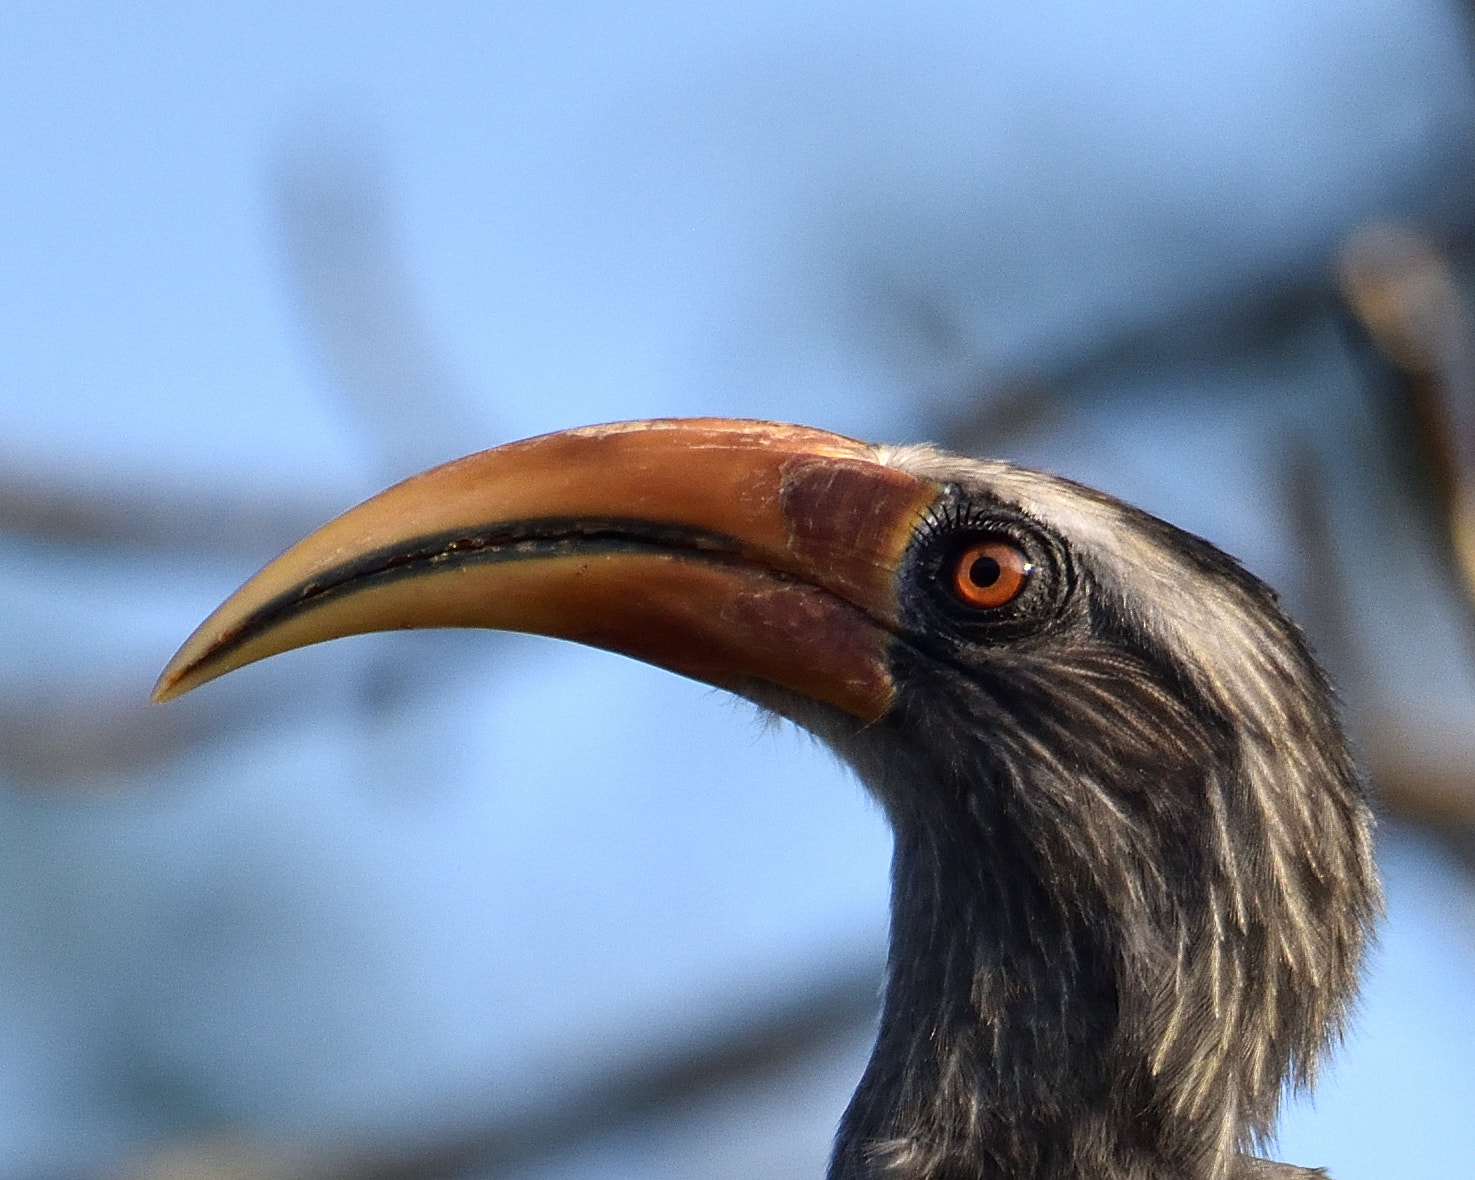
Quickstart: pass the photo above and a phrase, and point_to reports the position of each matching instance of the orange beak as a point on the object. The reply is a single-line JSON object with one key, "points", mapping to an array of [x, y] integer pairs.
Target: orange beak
{"points": [[727, 551]]}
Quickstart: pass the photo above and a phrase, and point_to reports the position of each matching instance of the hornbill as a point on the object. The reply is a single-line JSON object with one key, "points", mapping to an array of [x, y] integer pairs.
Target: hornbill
{"points": [[1132, 875]]}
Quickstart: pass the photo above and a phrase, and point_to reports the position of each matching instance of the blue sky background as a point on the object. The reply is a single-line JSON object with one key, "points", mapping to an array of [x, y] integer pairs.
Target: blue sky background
{"points": [[356, 917]]}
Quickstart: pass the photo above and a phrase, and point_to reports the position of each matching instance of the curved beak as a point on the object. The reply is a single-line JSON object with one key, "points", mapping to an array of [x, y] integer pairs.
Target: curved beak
{"points": [[727, 551]]}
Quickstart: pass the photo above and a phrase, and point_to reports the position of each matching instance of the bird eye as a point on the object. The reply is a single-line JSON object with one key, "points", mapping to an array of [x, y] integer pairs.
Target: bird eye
{"points": [[990, 573]]}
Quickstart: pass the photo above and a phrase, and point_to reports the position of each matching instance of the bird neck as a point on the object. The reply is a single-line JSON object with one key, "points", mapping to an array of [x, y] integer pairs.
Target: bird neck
{"points": [[1120, 924], [988, 1060]]}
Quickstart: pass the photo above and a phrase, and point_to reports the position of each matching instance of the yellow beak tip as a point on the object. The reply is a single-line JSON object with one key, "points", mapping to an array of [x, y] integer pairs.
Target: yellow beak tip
{"points": [[165, 689], [174, 681]]}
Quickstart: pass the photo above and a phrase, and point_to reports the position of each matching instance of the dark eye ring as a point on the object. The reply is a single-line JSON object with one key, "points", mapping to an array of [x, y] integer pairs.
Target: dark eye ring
{"points": [[990, 573]]}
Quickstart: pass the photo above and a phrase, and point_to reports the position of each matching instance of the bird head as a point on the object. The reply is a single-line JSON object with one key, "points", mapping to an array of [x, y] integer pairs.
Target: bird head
{"points": [[1133, 874]]}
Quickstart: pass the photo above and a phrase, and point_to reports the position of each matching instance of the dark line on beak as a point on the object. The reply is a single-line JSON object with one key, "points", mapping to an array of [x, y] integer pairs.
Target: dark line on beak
{"points": [[505, 541]]}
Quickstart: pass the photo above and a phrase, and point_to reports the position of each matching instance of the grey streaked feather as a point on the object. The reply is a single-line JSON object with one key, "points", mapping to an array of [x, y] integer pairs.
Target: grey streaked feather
{"points": [[1133, 875]]}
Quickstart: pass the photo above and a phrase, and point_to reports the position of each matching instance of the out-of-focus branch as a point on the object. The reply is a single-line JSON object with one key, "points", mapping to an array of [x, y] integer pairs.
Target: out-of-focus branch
{"points": [[669, 1078], [349, 280], [94, 732], [1403, 289], [1429, 778], [71, 508], [78, 733]]}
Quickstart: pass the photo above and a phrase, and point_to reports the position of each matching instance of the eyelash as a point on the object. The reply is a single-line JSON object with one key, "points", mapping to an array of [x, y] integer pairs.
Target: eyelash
{"points": [[950, 528]]}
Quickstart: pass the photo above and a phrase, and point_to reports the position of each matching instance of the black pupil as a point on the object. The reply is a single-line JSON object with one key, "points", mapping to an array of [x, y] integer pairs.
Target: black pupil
{"points": [[984, 571]]}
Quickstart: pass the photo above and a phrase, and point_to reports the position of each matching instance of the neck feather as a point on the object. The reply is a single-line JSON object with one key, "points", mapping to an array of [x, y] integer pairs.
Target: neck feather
{"points": [[1091, 977]]}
